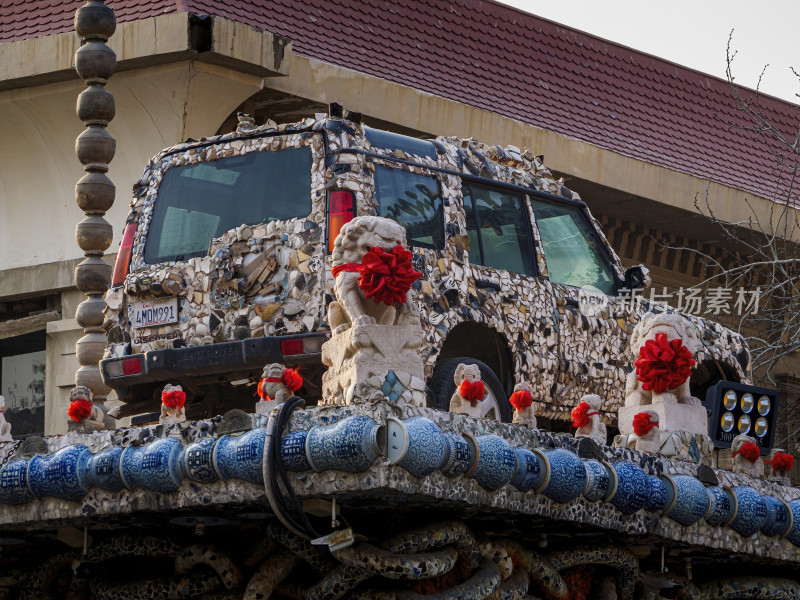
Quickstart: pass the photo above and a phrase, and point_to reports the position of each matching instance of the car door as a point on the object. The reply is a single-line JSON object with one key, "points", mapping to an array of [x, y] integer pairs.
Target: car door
{"points": [[502, 283], [593, 322]]}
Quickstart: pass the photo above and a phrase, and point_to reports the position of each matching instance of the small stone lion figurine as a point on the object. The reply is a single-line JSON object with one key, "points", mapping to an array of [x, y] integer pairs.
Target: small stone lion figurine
{"points": [[746, 456], [470, 391], [646, 434], [173, 399], [586, 417], [82, 411], [373, 274], [522, 401], [662, 343], [277, 383], [781, 463], [5, 426]]}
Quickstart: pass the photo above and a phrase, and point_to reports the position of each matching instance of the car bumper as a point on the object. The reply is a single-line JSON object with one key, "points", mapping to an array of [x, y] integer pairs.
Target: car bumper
{"points": [[230, 360]]}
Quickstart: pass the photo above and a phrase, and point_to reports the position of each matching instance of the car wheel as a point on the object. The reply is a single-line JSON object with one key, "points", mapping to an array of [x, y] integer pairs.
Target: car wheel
{"points": [[494, 406]]}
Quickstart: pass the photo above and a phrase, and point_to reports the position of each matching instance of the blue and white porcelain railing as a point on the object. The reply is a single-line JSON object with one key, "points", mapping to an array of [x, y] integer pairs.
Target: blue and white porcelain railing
{"points": [[416, 444]]}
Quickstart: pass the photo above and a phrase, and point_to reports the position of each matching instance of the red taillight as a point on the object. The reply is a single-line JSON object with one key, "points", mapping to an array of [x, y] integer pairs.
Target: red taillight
{"points": [[124, 256], [126, 366], [131, 366], [295, 346], [341, 210]]}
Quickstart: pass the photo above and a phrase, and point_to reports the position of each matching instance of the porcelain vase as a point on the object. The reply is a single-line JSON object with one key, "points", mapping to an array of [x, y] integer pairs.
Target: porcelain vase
{"points": [[416, 444], [751, 511], [460, 456], [496, 462], [154, 467], [632, 488], [657, 495], [103, 469], [293, 451], [60, 475], [687, 499], [567, 475], [240, 456], [793, 534], [779, 517], [14, 483], [532, 470], [349, 445], [722, 505], [601, 481], [197, 461]]}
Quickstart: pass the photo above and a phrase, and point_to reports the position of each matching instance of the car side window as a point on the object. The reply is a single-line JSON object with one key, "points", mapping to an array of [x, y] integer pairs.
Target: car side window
{"points": [[498, 229], [414, 201], [573, 254]]}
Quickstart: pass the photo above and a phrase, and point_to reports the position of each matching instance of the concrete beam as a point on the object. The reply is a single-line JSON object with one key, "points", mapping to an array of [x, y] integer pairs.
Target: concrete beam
{"points": [[150, 42]]}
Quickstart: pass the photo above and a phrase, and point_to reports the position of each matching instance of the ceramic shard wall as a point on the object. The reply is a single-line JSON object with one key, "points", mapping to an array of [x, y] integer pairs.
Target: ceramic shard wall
{"points": [[95, 62]]}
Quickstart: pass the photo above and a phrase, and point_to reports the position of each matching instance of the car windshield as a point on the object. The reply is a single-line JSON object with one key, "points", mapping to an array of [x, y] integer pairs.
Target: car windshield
{"points": [[199, 202], [573, 254]]}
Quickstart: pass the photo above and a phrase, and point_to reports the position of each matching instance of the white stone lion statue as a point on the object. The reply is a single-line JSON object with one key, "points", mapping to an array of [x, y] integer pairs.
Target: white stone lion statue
{"points": [[471, 375], [351, 306], [675, 327]]}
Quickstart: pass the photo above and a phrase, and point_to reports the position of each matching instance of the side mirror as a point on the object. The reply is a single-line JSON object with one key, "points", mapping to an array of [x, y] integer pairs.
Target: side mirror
{"points": [[638, 277]]}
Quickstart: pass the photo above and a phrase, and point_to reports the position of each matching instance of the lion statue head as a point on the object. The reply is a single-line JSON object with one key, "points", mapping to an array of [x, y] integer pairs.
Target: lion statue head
{"points": [[673, 325], [363, 233], [471, 373]]}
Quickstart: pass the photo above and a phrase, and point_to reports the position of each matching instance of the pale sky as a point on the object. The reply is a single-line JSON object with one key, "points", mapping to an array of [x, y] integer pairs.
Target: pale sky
{"points": [[694, 33]]}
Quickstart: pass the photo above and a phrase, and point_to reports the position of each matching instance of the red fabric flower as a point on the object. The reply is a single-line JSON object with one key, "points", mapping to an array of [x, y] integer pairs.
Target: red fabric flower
{"points": [[292, 380], [385, 276], [781, 461], [521, 399], [663, 365], [474, 391], [749, 450], [580, 415], [79, 409], [642, 424], [173, 399]]}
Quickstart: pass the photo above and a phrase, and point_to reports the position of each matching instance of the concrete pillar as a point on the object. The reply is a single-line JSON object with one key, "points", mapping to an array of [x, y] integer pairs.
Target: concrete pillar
{"points": [[95, 62]]}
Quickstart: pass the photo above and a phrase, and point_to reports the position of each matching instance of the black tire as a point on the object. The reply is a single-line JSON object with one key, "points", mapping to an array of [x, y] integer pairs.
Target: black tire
{"points": [[443, 386]]}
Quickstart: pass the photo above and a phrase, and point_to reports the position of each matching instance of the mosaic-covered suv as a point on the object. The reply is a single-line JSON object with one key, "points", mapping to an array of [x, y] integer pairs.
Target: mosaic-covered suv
{"points": [[225, 267]]}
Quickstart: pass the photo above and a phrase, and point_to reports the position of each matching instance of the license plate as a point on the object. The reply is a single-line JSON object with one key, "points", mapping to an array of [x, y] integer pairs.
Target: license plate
{"points": [[162, 311]]}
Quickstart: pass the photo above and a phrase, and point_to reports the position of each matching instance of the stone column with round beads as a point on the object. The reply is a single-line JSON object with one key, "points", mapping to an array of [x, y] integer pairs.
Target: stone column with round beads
{"points": [[95, 61]]}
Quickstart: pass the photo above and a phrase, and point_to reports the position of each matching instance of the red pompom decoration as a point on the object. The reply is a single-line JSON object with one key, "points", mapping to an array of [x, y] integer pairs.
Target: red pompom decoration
{"points": [[385, 276], [474, 391], [580, 415], [781, 461], [79, 409], [173, 399], [292, 380], [642, 424], [749, 450], [663, 365], [521, 399]]}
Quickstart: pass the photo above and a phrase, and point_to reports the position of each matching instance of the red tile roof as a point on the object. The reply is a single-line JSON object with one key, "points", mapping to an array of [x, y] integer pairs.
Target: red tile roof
{"points": [[502, 60]]}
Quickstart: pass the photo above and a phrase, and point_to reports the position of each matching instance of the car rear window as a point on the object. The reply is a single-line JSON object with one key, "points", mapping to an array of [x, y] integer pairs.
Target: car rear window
{"points": [[199, 202], [414, 201]]}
